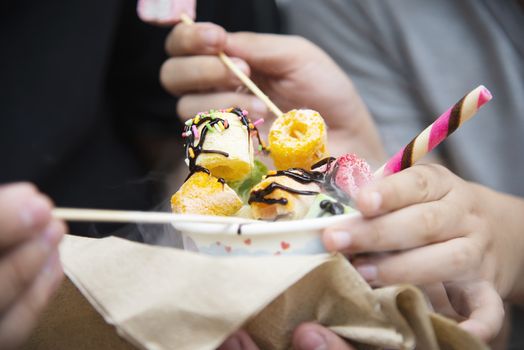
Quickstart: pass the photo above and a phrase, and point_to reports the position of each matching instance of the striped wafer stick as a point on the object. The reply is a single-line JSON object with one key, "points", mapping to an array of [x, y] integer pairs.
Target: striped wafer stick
{"points": [[434, 134]]}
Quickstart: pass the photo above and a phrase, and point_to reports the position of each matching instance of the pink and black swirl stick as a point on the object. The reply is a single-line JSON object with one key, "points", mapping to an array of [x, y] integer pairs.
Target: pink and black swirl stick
{"points": [[434, 134]]}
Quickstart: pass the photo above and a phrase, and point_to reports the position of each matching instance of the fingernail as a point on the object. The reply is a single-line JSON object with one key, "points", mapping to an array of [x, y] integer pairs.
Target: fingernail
{"points": [[340, 239], [241, 65], [52, 234], [258, 107], [373, 200], [37, 209], [210, 37], [368, 272], [52, 264], [312, 341], [232, 343]]}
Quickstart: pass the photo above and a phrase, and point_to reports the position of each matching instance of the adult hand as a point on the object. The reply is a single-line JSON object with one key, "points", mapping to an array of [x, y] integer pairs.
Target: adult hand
{"points": [[437, 228], [30, 269], [307, 336], [292, 71]]}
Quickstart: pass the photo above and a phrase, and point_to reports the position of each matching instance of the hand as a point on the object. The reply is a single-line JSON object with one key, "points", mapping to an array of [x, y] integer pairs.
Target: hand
{"points": [[436, 228], [292, 71], [307, 336], [29, 265]]}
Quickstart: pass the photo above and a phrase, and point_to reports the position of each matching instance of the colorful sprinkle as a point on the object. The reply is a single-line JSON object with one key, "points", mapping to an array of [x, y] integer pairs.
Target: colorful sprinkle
{"points": [[221, 126], [258, 122], [210, 128], [226, 124], [189, 122], [272, 172], [217, 127], [251, 126], [195, 132], [191, 152], [197, 119], [284, 245], [260, 147]]}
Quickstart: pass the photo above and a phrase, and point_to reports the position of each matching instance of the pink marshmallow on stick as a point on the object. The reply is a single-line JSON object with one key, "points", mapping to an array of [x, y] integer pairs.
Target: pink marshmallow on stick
{"points": [[165, 12], [434, 134]]}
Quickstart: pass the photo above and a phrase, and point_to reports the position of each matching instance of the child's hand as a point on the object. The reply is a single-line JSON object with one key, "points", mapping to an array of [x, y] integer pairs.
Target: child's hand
{"points": [[437, 227], [30, 269], [292, 71]]}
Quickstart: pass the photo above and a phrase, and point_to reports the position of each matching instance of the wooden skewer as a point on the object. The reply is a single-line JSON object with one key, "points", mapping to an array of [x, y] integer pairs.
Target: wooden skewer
{"points": [[240, 75], [98, 215]]}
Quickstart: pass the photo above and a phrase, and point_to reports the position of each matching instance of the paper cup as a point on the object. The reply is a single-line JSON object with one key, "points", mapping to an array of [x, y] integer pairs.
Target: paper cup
{"points": [[298, 237]]}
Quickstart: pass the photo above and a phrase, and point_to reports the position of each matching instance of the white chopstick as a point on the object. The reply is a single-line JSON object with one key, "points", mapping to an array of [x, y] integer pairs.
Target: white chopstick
{"points": [[99, 215]]}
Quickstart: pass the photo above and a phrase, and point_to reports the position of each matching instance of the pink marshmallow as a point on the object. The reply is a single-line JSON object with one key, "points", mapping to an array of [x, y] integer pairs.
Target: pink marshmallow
{"points": [[165, 12]]}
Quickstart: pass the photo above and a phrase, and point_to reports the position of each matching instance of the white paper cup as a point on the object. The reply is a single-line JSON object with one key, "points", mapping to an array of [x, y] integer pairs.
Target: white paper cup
{"points": [[298, 237]]}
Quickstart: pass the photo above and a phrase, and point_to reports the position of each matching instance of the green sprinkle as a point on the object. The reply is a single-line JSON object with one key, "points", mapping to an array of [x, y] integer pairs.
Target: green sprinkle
{"points": [[209, 128]]}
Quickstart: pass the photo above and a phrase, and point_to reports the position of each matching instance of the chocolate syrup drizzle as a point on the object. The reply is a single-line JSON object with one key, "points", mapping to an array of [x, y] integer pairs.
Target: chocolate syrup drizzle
{"points": [[325, 179], [198, 148], [331, 207]]}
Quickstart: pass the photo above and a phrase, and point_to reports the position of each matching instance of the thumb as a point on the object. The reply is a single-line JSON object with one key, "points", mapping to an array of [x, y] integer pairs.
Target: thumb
{"points": [[270, 53]]}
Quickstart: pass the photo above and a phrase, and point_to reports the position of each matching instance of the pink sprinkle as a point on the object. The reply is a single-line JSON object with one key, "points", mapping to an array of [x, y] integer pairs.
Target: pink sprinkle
{"points": [[244, 112], [195, 132], [258, 122]]}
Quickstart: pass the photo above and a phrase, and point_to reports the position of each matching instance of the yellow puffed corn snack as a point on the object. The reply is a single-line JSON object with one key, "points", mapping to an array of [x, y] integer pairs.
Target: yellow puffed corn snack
{"points": [[204, 194], [298, 139]]}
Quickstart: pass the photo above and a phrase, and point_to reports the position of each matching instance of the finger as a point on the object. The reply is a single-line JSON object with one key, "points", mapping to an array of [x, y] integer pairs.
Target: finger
{"points": [[270, 53], [439, 300], [23, 213], [451, 260], [199, 73], [406, 228], [19, 267], [312, 336], [239, 341], [196, 39], [17, 323], [191, 104], [485, 310], [418, 184]]}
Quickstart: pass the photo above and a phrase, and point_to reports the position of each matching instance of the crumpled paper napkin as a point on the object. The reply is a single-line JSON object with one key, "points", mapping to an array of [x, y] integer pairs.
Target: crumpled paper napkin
{"points": [[165, 298]]}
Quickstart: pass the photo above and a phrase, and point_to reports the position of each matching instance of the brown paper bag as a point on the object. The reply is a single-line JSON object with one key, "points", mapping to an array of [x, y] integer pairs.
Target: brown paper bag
{"points": [[164, 298]]}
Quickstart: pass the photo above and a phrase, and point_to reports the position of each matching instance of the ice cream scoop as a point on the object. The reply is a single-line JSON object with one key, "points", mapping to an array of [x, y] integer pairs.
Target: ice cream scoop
{"points": [[344, 175], [282, 196]]}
